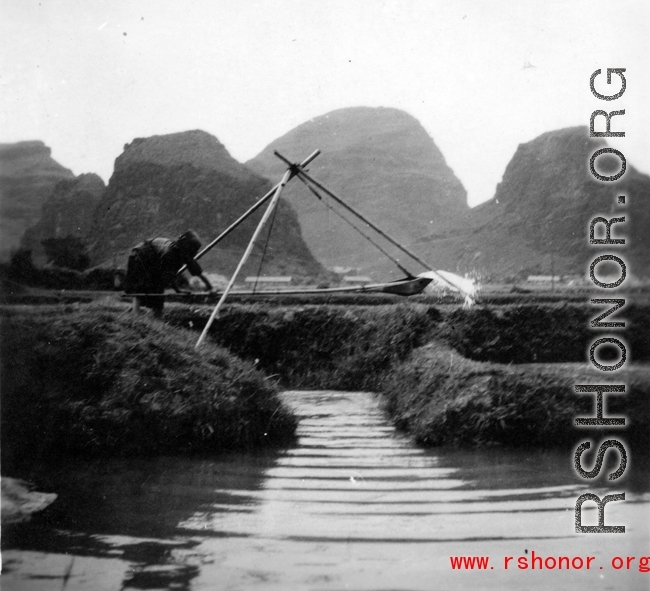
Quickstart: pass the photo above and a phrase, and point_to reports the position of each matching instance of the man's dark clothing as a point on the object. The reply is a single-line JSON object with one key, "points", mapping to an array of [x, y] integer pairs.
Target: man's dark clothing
{"points": [[153, 266]]}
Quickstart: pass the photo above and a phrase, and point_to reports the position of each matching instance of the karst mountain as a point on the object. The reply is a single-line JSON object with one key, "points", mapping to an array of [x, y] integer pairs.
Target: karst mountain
{"points": [[379, 160], [164, 185], [382, 162], [28, 175], [538, 220], [68, 211]]}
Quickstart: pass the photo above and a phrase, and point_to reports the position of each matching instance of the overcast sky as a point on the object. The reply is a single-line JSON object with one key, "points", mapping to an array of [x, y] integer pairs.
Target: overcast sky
{"points": [[88, 76]]}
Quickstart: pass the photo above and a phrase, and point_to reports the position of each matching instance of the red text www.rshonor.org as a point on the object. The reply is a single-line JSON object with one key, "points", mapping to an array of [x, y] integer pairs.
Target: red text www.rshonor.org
{"points": [[534, 561]]}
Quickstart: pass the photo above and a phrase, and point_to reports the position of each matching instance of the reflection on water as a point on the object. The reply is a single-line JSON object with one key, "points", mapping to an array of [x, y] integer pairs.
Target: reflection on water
{"points": [[353, 505]]}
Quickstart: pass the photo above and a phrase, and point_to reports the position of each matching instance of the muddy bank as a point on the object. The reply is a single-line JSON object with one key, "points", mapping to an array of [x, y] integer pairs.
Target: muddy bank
{"points": [[94, 380]]}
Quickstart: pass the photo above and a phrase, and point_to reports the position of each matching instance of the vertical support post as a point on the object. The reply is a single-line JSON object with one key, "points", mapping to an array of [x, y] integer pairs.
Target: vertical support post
{"points": [[285, 179]]}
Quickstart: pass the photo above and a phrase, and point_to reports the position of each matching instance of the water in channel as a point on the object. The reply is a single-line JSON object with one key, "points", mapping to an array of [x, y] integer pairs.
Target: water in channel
{"points": [[354, 505]]}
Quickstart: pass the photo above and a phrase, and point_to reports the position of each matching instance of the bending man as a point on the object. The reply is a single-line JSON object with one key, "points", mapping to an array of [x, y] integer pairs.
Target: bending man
{"points": [[153, 265]]}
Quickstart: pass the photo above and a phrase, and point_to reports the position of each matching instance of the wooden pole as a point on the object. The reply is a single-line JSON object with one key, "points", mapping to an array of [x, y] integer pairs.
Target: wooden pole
{"points": [[246, 215], [234, 225], [302, 174], [285, 179]]}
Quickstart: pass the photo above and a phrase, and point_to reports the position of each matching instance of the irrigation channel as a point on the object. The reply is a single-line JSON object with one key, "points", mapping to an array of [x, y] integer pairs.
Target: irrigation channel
{"points": [[354, 505]]}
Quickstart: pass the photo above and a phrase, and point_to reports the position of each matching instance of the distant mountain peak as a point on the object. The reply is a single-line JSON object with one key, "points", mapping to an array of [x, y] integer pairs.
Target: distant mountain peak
{"points": [[28, 174], [68, 211], [197, 148], [382, 161], [165, 185], [538, 220]]}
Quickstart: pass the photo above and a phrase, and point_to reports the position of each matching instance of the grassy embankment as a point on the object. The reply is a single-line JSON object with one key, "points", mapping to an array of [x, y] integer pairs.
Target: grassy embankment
{"points": [[317, 346], [93, 380], [448, 376]]}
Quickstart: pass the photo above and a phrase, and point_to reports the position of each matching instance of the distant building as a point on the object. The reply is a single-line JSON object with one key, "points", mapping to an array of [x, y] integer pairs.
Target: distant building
{"points": [[269, 282], [357, 279], [576, 280], [544, 278]]}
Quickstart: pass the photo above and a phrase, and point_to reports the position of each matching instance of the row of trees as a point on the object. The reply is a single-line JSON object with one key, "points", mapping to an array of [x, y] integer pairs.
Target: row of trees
{"points": [[70, 252], [68, 267]]}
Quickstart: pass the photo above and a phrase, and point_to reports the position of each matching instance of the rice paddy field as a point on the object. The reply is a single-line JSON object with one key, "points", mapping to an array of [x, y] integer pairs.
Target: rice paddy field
{"points": [[81, 369]]}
